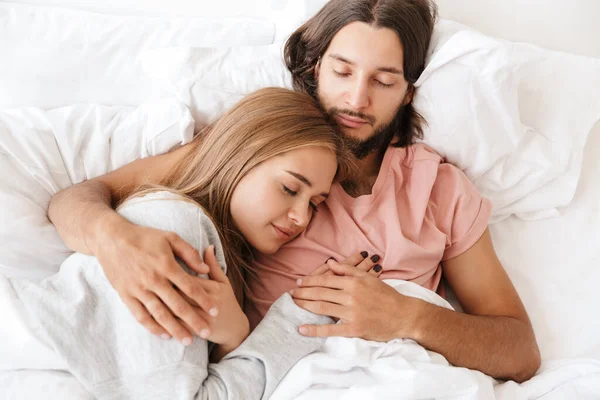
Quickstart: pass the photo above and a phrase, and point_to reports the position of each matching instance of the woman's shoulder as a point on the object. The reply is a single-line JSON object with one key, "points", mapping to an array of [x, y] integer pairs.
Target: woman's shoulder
{"points": [[163, 201], [169, 211]]}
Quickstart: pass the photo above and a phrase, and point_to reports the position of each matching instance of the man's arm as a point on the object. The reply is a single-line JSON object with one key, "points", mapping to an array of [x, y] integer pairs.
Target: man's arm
{"points": [[138, 261], [82, 211], [493, 336]]}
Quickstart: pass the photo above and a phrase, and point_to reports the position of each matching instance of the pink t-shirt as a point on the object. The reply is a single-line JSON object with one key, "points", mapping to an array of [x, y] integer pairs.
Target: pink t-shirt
{"points": [[422, 211]]}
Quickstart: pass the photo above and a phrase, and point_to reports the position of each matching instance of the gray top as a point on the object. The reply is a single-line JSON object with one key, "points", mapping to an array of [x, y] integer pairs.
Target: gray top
{"points": [[79, 314]]}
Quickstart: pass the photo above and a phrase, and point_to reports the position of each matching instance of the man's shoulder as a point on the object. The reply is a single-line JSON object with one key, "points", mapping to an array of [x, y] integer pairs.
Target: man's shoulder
{"points": [[417, 154], [425, 166]]}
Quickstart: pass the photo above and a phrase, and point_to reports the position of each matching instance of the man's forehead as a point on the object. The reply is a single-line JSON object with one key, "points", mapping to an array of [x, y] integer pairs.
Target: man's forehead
{"points": [[362, 44]]}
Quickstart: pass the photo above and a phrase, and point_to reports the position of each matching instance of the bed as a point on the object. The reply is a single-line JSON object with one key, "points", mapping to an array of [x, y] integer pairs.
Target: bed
{"points": [[87, 86]]}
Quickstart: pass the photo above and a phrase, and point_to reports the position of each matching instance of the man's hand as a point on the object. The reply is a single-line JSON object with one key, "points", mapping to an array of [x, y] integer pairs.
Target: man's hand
{"points": [[359, 300], [140, 264]]}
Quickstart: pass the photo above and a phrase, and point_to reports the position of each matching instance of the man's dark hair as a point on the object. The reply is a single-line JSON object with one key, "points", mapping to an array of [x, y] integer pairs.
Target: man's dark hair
{"points": [[413, 22]]}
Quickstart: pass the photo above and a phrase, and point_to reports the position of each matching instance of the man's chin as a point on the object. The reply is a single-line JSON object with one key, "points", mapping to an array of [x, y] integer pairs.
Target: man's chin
{"points": [[356, 134]]}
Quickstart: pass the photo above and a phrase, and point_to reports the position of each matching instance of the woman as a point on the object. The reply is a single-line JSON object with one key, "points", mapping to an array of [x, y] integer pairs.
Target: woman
{"points": [[249, 182]]}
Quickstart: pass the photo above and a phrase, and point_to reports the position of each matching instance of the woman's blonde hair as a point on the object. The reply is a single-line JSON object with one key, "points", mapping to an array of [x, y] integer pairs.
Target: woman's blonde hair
{"points": [[264, 124]]}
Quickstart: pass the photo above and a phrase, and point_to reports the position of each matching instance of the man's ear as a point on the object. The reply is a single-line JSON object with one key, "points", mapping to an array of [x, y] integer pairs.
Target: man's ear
{"points": [[409, 95], [317, 67]]}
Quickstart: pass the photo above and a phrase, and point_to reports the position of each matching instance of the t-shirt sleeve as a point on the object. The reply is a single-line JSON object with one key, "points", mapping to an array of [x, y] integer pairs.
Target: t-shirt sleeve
{"points": [[459, 210]]}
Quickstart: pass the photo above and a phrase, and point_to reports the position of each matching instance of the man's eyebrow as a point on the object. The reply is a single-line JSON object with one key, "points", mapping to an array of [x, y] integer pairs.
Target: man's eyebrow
{"points": [[304, 180], [391, 70]]}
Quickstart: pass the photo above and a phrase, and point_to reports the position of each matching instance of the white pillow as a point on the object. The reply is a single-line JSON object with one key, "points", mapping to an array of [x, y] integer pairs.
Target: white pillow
{"points": [[42, 152], [211, 80], [287, 15], [514, 117], [54, 57]]}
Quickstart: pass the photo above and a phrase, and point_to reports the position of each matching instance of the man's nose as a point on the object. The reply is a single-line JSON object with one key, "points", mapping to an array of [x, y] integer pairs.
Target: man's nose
{"points": [[358, 95]]}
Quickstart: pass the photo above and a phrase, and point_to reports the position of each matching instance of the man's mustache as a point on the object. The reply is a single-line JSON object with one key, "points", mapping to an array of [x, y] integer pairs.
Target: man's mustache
{"points": [[343, 111]]}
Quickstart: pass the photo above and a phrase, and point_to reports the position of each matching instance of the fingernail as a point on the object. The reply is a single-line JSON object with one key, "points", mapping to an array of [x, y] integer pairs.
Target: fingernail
{"points": [[364, 254], [330, 258], [165, 336], [375, 258], [204, 333], [377, 268], [303, 330], [291, 292], [213, 312], [299, 282], [187, 341]]}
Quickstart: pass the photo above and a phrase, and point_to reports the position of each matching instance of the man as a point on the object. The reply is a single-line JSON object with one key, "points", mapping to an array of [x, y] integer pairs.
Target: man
{"points": [[414, 215]]}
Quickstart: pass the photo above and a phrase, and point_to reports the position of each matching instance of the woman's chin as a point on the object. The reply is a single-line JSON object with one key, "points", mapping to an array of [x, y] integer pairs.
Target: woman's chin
{"points": [[267, 248]]}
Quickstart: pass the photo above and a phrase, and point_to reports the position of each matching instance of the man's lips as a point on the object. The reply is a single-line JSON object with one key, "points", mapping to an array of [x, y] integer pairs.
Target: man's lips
{"points": [[350, 122]]}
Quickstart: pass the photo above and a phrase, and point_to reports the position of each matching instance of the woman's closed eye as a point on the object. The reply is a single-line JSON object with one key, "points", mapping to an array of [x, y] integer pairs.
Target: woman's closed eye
{"points": [[293, 193]]}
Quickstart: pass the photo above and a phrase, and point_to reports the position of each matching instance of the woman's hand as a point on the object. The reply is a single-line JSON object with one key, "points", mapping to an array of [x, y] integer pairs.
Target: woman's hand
{"points": [[231, 327], [360, 262], [140, 264]]}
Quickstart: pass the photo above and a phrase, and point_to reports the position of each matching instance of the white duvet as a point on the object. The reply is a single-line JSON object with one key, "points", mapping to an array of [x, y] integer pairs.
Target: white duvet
{"points": [[346, 368], [343, 368]]}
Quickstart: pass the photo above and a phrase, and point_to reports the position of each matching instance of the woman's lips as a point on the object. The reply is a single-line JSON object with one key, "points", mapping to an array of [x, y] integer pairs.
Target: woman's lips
{"points": [[282, 233]]}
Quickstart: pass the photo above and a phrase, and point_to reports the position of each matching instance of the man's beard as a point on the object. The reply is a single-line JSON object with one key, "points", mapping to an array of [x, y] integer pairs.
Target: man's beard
{"points": [[378, 141]]}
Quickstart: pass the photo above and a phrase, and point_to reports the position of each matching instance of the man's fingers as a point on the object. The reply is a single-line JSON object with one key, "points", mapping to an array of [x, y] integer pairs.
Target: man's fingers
{"points": [[215, 271], [141, 314], [343, 330], [163, 316], [322, 308], [187, 253], [180, 308], [193, 287], [204, 334], [320, 294]]}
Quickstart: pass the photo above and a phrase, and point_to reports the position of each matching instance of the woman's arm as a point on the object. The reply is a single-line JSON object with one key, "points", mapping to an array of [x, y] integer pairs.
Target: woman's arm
{"points": [[255, 368]]}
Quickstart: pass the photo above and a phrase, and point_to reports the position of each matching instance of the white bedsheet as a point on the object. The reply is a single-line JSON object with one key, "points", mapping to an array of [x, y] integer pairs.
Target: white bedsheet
{"points": [[347, 368]]}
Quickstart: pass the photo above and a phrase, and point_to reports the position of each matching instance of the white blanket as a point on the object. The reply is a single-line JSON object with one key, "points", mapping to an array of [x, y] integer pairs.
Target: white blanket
{"points": [[42, 152], [348, 368]]}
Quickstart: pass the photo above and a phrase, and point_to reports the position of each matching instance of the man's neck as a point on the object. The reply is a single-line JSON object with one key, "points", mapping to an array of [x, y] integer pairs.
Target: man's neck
{"points": [[362, 182]]}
